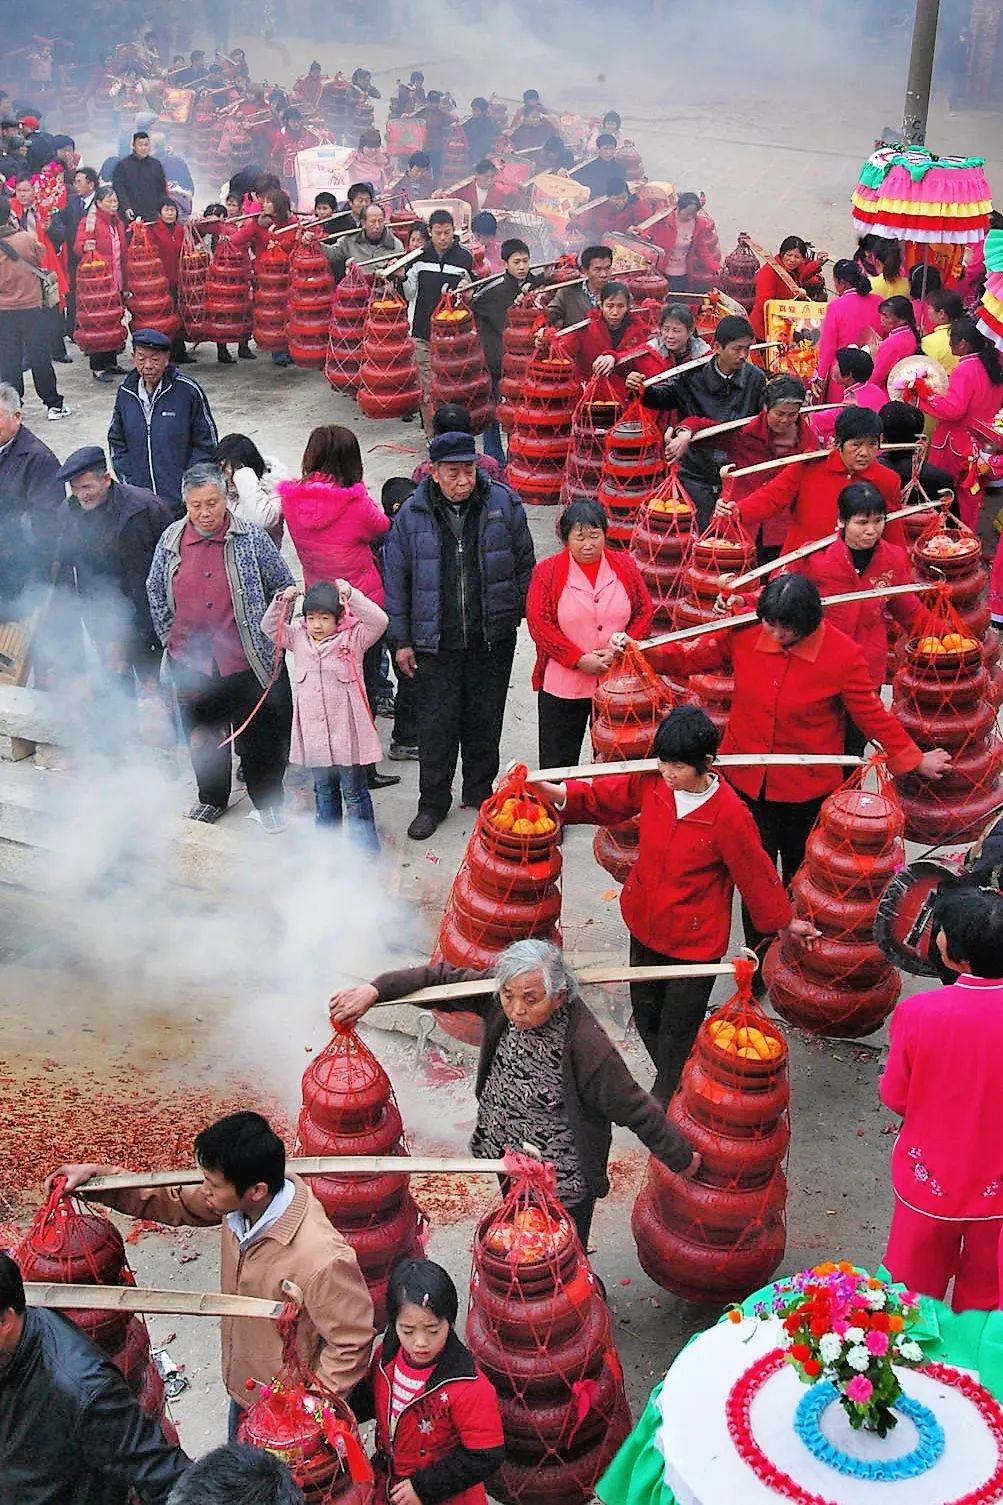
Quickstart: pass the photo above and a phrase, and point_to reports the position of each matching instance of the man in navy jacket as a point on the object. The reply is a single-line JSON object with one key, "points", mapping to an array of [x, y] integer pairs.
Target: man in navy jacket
{"points": [[32, 506], [161, 423]]}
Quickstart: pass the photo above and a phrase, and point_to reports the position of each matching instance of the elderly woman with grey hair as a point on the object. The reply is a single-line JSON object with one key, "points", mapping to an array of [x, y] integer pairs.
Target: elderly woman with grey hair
{"points": [[211, 580], [548, 1072]]}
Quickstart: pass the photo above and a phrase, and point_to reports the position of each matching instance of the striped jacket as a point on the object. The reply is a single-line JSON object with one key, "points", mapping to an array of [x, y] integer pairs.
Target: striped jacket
{"points": [[155, 453], [429, 278]]}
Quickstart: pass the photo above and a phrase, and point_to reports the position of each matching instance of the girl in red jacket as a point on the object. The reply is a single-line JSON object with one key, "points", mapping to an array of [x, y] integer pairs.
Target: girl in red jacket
{"points": [[438, 1429], [698, 842]]}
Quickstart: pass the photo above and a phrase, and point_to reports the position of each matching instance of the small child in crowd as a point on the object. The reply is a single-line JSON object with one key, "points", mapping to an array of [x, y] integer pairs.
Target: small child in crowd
{"points": [[438, 1428], [333, 732]]}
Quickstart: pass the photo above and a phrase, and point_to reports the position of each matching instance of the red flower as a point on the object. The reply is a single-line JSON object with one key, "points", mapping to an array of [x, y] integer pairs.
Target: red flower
{"points": [[792, 1324], [812, 1368], [819, 1326], [880, 1322], [801, 1352]]}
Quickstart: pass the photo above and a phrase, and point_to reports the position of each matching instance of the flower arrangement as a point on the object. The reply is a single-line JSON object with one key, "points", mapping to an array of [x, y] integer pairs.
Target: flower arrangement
{"points": [[846, 1327]]}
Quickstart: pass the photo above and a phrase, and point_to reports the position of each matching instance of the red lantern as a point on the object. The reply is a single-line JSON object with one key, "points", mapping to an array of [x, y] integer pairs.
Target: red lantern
{"points": [[348, 322], [457, 362], [193, 277], [227, 315], [661, 542], [99, 328], [150, 305], [311, 288], [389, 382], [738, 275], [597, 410], [271, 298], [724, 548], [518, 337], [541, 431], [633, 467]]}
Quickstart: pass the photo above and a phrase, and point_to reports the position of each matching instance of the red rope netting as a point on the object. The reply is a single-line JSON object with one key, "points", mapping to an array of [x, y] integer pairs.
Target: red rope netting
{"points": [[310, 1427], [271, 297], [99, 328], [541, 431], [349, 1108], [661, 542], [722, 1234], [68, 1244], [193, 274], [943, 696], [227, 317], [150, 305], [506, 888], [389, 386], [518, 346], [633, 468], [841, 984], [596, 412], [348, 322], [629, 705], [457, 362], [946, 548], [723, 548], [540, 1328], [311, 288]]}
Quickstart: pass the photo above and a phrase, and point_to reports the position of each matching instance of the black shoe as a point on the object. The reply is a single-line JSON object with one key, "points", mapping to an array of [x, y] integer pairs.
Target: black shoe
{"points": [[424, 825], [376, 780], [105, 376], [62, 360], [246, 353], [118, 370], [403, 752], [225, 358], [184, 360]]}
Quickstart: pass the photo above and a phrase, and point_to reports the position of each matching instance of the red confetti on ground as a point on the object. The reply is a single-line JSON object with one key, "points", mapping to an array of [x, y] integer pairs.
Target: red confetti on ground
{"points": [[454, 1199]]}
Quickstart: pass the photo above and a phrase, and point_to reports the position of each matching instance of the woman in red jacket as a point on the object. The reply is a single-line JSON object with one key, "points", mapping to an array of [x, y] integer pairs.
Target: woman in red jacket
{"points": [[611, 332], [276, 216], [697, 844], [577, 599], [168, 237], [793, 257], [691, 252], [438, 1427], [797, 678], [103, 232]]}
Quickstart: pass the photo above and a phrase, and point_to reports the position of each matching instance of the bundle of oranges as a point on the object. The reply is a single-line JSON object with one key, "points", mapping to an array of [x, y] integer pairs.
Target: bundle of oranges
{"points": [[669, 505], [951, 642], [522, 816], [744, 1040], [451, 315]]}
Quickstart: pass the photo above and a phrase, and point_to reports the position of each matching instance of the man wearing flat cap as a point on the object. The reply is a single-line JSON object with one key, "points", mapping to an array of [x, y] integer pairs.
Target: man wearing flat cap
{"points": [[105, 557], [161, 423], [458, 562]]}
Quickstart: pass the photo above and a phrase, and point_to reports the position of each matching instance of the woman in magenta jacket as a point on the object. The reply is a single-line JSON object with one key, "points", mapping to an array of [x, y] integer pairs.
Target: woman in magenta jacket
{"points": [[577, 599], [698, 843], [900, 338], [851, 318]]}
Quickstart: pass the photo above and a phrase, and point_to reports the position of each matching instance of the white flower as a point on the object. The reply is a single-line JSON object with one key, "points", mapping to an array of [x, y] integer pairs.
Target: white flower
{"points": [[910, 1351], [858, 1358], [829, 1347], [875, 1300], [854, 1335]]}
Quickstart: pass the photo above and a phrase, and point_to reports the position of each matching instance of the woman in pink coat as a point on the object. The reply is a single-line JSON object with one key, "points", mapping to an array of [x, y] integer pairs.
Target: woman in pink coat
{"points": [[900, 338], [851, 318], [942, 1078], [974, 395], [333, 731]]}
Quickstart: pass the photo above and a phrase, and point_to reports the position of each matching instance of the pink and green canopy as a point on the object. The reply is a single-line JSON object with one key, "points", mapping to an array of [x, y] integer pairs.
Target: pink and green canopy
{"points": [[908, 193], [990, 313]]}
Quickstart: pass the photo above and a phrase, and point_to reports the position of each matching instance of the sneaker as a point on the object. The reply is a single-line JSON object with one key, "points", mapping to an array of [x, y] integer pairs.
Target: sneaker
{"points": [[54, 414], [280, 359], [105, 376], [385, 706], [271, 820], [424, 825], [400, 753], [118, 370], [208, 814]]}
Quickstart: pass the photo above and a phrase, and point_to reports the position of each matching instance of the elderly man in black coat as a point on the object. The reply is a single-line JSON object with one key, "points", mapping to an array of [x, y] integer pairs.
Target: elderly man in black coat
{"points": [[105, 557], [32, 508]]}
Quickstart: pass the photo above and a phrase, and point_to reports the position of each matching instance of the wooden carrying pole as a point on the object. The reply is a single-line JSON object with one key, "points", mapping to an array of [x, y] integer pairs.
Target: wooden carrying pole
{"points": [[137, 1299], [701, 360], [811, 454], [594, 974], [315, 1165], [726, 760]]}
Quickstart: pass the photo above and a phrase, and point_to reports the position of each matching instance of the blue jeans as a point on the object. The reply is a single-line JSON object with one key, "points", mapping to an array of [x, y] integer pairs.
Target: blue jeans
{"points": [[330, 785]]}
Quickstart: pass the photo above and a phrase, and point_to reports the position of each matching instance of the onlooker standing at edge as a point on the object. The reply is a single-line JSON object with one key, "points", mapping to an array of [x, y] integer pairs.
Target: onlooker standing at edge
{"points": [[210, 582], [458, 564], [24, 332], [32, 506], [161, 423], [140, 181]]}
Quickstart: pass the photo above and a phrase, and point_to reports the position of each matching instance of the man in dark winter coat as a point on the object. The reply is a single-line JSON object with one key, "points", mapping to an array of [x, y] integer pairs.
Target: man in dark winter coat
{"points": [[32, 505], [458, 562], [105, 558], [70, 1429], [491, 304], [140, 181], [161, 423]]}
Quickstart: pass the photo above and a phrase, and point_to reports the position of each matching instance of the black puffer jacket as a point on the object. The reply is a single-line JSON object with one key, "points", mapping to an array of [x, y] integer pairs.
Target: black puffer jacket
{"points": [[71, 1433], [413, 566]]}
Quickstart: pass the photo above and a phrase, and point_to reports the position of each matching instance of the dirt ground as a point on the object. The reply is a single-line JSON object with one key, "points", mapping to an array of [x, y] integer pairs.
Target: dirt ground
{"points": [[104, 1046]]}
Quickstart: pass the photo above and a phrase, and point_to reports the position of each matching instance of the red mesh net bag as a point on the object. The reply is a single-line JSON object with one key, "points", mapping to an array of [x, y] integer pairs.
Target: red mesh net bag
{"points": [[842, 985], [723, 548], [151, 305], [540, 1328], [349, 1108], [271, 297], [943, 696], [947, 550], [507, 887], [193, 274], [310, 1428], [69, 1244], [648, 286], [457, 362], [633, 468], [455, 156], [348, 322], [660, 544], [227, 316], [521, 323], [596, 412], [311, 288], [541, 430], [388, 377], [99, 328], [722, 1234], [630, 703]]}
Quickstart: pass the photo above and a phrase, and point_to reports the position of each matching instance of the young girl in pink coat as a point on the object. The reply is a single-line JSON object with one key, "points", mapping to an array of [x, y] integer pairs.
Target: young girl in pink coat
{"points": [[942, 1078], [974, 395], [333, 731]]}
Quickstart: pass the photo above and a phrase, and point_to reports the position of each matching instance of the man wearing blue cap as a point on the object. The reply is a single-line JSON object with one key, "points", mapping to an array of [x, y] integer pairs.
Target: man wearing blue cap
{"points": [[161, 423], [458, 562], [105, 557]]}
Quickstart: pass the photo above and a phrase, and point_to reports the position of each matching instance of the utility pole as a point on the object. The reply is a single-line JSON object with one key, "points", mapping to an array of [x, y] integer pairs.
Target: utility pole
{"points": [[917, 94]]}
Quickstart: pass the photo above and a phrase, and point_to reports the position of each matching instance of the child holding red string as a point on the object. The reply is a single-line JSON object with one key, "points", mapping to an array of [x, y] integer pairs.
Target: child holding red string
{"points": [[333, 732]]}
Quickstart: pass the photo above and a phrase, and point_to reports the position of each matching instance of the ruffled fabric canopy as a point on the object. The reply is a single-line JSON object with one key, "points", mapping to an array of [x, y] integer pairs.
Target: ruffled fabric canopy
{"points": [[990, 314], [908, 193]]}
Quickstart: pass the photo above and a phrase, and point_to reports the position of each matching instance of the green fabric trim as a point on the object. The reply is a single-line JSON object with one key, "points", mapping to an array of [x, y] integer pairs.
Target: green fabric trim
{"points": [[994, 251], [637, 1474], [873, 174]]}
